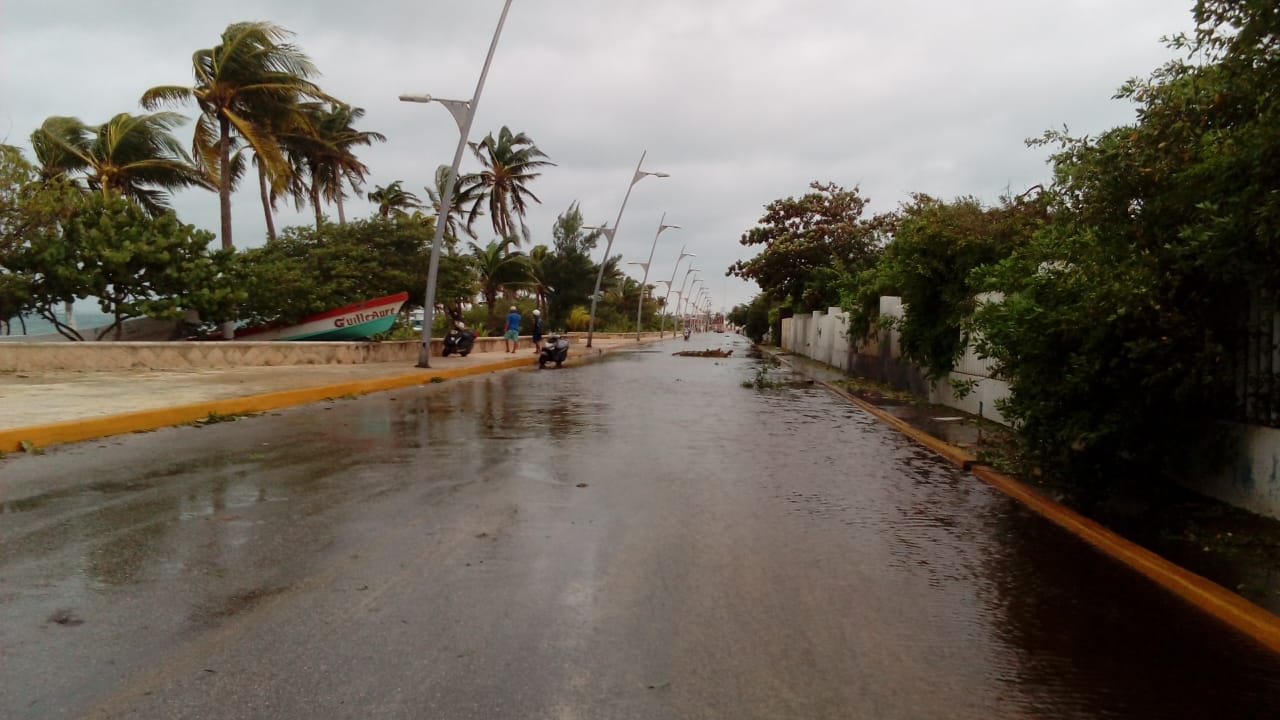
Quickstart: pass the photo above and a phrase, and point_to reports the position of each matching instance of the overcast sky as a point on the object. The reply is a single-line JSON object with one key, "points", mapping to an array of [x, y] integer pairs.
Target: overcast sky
{"points": [[741, 101]]}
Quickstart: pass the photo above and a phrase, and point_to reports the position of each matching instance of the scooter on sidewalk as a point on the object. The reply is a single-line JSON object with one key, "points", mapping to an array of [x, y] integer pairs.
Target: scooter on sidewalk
{"points": [[556, 350], [459, 339]]}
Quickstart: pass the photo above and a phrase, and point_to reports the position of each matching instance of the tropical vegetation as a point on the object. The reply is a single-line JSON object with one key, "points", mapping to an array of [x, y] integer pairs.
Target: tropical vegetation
{"points": [[1130, 303], [260, 109]]}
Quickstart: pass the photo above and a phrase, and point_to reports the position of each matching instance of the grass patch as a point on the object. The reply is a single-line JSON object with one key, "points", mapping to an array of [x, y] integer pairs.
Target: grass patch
{"points": [[762, 381]]}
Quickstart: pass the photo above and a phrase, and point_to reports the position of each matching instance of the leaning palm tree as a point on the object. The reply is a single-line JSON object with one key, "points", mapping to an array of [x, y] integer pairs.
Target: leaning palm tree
{"points": [[275, 182], [252, 74], [330, 157], [510, 164], [498, 269], [394, 200], [133, 155]]}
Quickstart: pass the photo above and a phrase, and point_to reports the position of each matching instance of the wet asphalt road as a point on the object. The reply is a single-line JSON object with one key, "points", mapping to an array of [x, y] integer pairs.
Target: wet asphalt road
{"points": [[638, 538]]}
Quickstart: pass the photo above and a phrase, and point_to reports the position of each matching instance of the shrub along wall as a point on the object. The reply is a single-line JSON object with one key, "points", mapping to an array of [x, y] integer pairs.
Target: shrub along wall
{"points": [[1250, 481]]}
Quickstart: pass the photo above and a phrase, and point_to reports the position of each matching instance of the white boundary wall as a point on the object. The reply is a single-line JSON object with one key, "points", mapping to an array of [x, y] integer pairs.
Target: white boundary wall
{"points": [[823, 336]]}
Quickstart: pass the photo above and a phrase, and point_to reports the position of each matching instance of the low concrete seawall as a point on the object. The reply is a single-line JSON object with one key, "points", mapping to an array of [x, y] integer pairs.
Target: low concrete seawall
{"points": [[35, 357], [190, 355]]}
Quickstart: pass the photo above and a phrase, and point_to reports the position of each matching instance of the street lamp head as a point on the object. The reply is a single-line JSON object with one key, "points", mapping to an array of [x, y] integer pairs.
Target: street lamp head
{"points": [[641, 174], [416, 97], [669, 227], [603, 229]]}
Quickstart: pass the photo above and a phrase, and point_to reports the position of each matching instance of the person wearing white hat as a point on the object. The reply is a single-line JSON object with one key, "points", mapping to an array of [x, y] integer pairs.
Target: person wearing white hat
{"points": [[512, 334], [537, 332]]}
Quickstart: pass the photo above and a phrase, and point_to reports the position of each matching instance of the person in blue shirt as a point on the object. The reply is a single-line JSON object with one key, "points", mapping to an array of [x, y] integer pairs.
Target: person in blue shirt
{"points": [[512, 335]]}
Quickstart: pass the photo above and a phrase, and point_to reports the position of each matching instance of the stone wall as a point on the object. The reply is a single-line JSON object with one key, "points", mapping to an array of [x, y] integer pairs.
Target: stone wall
{"points": [[193, 355], [36, 357]]}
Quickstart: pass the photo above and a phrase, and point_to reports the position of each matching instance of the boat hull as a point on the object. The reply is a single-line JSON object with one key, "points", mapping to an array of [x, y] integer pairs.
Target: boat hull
{"points": [[357, 321]]}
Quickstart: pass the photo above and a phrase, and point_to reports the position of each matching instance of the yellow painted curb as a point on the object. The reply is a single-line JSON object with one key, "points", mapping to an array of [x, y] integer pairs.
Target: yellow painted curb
{"points": [[1210, 597], [12, 440], [38, 436]]}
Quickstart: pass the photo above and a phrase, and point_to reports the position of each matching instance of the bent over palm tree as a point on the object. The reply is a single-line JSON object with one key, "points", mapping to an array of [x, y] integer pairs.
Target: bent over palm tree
{"points": [[252, 74], [133, 155]]}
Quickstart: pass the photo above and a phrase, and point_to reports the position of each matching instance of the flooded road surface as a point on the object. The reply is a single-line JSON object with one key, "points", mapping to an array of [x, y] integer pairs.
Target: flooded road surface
{"points": [[639, 538]]}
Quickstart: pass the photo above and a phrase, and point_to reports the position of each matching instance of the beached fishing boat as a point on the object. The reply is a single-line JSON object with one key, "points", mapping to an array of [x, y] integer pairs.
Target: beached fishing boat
{"points": [[351, 322]]}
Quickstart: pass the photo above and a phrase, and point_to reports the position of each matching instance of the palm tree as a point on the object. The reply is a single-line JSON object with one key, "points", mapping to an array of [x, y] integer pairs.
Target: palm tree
{"points": [[133, 155], [466, 190], [510, 162], [249, 77], [327, 151], [392, 199], [498, 268], [277, 122], [539, 266]]}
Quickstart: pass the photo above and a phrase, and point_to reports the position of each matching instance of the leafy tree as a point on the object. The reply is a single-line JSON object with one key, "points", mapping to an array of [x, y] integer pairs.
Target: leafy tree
{"points": [[136, 265], [567, 272], [19, 224], [803, 239], [935, 246], [753, 318], [132, 155], [241, 87], [1121, 332], [307, 271], [511, 162]]}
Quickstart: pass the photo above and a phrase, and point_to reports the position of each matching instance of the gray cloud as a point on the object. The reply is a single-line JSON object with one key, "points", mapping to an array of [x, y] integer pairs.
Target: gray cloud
{"points": [[742, 101]]}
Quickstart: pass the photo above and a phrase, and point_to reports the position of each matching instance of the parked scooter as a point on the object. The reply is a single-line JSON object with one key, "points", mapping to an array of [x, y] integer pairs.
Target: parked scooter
{"points": [[686, 333], [459, 339], [555, 349]]}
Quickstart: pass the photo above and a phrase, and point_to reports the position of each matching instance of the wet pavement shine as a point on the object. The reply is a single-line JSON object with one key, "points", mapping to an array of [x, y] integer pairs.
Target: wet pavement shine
{"points": [[642, 537]]}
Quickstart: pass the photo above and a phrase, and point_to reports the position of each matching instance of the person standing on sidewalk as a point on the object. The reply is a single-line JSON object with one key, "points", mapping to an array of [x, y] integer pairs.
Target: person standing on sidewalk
{"points": [[537, 331], [512, 334]]}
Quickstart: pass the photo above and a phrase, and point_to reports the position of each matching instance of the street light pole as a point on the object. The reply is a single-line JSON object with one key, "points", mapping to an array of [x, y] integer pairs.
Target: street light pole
{"points": [[640, 306], [671, 285], [691, 299], [609, 234], [682, 295], [463, 113]]}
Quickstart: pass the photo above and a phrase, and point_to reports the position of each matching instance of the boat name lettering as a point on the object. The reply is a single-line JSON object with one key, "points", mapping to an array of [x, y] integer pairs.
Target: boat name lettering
{"points": [[357, 318]]}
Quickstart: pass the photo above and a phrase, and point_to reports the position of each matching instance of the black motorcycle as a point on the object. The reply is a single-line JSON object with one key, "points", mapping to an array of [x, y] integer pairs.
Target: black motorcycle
{"points": [[459, 340], [555, 349], [686, 333]]}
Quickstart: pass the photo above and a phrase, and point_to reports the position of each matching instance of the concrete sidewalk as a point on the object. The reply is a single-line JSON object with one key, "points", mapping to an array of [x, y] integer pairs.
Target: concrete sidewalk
{"points": [[44, 408]]}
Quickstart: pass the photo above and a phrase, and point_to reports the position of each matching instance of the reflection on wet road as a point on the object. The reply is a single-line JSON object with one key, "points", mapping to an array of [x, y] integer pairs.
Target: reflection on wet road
{"points": [[639, 538]]}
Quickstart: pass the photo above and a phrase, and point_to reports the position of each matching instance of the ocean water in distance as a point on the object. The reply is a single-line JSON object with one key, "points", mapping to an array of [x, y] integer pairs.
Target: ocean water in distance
{"points": [[85, 320]]}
